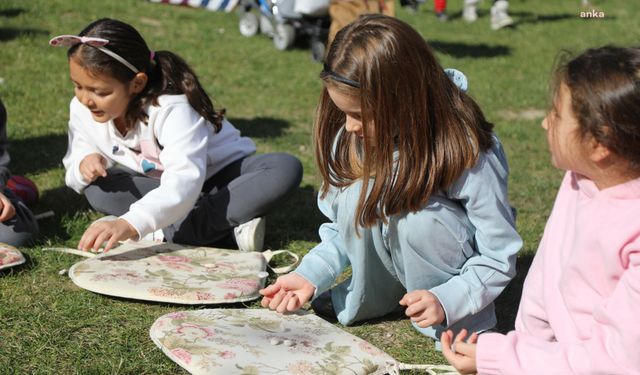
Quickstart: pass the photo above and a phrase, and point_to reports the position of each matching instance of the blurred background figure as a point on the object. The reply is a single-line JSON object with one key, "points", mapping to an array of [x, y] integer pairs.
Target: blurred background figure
{"points": [[439, 7], [343, 12], [499, 13]]}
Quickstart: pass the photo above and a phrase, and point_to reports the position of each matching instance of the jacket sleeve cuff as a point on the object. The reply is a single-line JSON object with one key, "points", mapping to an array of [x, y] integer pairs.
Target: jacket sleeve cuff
{"points": [[317, 272], [490, 352], [76, 181], [454, 298], [138, 223]]}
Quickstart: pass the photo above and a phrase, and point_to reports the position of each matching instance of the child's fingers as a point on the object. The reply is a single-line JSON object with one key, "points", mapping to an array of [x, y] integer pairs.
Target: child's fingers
{"points": [[294, 303], [270, 290], [276, 299], [461, 336], [112, 241], [87, 240], [101, 170], [265, 302], [415, 309], [465, 349], [5, 214], [446, 339], [473, 338], [101, 238], [282, 306]]}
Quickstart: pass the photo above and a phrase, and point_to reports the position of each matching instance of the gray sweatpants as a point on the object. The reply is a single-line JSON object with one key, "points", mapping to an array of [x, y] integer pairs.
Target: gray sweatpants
{"points": [[20, 229], [241, 191]]}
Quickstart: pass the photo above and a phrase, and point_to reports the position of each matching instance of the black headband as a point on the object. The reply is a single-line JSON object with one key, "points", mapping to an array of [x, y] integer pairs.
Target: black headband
{"points": [[328, 72]]}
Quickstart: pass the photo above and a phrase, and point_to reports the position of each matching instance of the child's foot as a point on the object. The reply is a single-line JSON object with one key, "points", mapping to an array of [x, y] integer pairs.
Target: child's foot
{"points": [[499, 16], [250, 235], [323, 307], [470, 12], [442, 17]]}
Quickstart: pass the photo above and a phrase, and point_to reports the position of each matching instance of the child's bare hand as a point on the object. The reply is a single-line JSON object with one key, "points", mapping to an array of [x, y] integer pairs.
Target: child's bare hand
{"points": [[7, 210], [461, 354], [288, 293], [106, 231], [423, 307], [92, 167]]}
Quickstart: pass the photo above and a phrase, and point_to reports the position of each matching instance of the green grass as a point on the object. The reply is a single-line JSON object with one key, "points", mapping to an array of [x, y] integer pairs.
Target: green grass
{"points": [[48, 325]]}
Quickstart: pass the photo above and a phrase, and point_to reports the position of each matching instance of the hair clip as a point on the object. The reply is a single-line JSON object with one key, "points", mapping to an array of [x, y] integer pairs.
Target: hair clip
{"points": [[328, 72], [72, 40], [458, 78], [99, 43]]}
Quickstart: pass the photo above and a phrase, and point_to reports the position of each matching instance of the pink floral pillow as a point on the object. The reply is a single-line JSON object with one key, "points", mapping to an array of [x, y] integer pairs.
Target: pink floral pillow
{"points": [[260, 341], [173, 273], [10, 256]]}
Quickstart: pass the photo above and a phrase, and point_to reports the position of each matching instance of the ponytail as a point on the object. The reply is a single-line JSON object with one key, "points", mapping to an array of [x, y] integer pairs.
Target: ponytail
{"points": [[171, 75]]}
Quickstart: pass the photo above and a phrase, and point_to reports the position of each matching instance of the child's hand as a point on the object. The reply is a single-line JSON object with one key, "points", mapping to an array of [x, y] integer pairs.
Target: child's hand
{"points": [[92, 167], [106, 231], [7, 211], [461, 354], [423, 308], [288, 293]]}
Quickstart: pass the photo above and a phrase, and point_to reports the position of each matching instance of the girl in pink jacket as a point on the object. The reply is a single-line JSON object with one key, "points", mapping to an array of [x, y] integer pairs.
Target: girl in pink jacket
{"points": [[581, 299]]}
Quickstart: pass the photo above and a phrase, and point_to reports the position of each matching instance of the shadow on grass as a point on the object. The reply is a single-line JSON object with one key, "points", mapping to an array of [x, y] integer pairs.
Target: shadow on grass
{"points": [[37, 154], [11, 12], [260, 127], [507, 303], [460, 50], [9, 33], [298, 219], [521, 17], [66, 204]]}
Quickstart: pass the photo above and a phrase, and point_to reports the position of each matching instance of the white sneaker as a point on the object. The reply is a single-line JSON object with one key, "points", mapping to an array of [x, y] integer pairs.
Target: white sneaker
{"points": [[499, 16], [470, 12], [250, 235]]}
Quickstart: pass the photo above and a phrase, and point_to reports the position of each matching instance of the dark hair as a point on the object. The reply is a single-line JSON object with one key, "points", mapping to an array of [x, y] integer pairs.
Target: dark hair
{"points": [[167, 72], [435, 128], [605, 97]]}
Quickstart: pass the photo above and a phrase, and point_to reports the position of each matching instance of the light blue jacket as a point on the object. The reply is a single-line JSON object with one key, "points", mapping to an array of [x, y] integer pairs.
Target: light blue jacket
{"points": [[462, 247]]}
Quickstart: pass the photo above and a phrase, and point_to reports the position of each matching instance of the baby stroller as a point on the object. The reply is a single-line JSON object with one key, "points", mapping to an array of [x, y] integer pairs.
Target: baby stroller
{"points": [[284, 20]]}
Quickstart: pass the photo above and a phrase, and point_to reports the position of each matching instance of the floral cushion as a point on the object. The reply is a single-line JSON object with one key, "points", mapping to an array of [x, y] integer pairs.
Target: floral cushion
{"points": [[173, 273], [10, 256], [260, 341]]}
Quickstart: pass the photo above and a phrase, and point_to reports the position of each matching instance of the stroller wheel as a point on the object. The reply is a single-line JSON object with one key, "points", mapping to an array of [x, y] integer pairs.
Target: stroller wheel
{"points": [[249, 24], [317, 50], [284, 36]]}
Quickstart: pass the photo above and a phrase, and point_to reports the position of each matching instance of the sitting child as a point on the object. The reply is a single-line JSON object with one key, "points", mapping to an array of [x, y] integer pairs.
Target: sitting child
{"points": [[581, 298], [17, 223]]}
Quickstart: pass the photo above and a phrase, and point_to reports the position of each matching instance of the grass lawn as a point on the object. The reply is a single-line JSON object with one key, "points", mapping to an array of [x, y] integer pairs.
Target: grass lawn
{"points": [[48, 325]]}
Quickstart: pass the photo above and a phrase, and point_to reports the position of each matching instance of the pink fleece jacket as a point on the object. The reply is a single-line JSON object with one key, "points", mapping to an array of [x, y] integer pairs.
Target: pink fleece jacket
{"points": [[580, 307]]}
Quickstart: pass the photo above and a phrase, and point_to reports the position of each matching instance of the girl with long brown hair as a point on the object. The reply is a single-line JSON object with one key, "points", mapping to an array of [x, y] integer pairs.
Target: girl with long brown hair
{"points": [[415, 185]]}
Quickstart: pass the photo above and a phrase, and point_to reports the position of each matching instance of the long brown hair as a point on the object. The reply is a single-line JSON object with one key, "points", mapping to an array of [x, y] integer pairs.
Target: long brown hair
{"points": [[167, 72], [605, 97], [426, 130]]}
